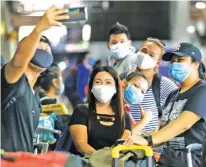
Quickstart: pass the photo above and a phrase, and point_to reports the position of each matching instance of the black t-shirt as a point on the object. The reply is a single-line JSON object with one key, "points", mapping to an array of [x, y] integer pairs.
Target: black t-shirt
{"points": [[19, 121], [100, 135], [193, 100]]}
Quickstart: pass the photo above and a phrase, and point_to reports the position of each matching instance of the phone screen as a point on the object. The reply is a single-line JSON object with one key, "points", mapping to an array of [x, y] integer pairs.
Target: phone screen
{"points": [[77, 14]]}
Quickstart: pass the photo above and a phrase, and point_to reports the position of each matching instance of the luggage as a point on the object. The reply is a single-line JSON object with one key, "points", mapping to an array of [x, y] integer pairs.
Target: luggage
{"points": [[190, 148], [116, 153]]}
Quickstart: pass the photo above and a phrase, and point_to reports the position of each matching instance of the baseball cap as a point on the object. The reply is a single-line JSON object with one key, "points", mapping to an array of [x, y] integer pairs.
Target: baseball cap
{"points": [[183, 50], [42, 58]]}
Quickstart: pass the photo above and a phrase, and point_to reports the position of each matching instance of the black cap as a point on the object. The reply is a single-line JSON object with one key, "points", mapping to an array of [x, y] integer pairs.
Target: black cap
{"points": [[183, 50], [42, 58]]}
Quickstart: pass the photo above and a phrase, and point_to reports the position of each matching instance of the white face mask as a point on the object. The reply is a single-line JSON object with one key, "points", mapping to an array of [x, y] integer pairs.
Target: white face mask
{"points": [[121, 50], [144, 61], [103, 93]]}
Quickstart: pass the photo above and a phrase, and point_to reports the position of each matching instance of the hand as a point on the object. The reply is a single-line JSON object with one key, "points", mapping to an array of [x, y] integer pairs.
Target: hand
{"points": [[146, 115], [135, 140], [52, 17]]}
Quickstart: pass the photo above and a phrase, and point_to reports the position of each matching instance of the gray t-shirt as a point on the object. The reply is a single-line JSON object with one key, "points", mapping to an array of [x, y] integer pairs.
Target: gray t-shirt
{"points": [[127, 64]]}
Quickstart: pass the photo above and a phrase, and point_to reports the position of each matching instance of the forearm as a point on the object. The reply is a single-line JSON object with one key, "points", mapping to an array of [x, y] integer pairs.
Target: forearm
{"points": [[170, 131], [84, 148], [139, 126], [27, 48]]}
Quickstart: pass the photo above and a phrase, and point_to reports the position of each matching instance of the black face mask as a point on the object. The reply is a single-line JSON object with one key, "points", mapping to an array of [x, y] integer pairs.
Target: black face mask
{"points": [[42, 58]]}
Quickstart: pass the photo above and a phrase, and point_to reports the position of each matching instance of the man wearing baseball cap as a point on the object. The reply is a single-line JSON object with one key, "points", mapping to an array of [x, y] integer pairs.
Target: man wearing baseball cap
{"points": [[20, 106], [184, 117]]}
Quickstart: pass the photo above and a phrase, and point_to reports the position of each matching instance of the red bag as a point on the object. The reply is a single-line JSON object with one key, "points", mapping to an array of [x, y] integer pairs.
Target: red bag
{"points": [[22, 159]]}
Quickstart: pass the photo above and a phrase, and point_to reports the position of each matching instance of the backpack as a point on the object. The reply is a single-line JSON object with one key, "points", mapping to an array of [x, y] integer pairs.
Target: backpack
{"points": [[156, 91]]}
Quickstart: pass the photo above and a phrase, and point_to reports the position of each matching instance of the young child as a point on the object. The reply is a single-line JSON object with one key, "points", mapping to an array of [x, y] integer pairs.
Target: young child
{"points": [[135, 86]]}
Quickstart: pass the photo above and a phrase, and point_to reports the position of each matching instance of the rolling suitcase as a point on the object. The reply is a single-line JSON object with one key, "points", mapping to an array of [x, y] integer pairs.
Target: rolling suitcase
{"points": [[190, 148], [116, 153]]}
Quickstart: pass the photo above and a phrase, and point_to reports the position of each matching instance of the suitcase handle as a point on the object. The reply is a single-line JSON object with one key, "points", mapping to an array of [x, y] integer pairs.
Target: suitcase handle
{"points": [[115, 151]]}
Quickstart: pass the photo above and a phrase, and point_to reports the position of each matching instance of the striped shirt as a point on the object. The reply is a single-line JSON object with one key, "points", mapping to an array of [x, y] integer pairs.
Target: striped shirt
{"points": [[149, 103]]}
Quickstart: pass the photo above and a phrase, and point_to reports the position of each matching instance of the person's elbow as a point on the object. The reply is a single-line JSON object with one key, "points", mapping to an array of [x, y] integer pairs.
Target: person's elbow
{"points": [[80, 146]]}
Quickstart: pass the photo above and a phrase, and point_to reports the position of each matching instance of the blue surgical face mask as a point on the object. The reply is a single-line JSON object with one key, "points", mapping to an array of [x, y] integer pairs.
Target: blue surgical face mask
{"points": [[133, 95], [91, 61], [179, 71], [121, 50]]}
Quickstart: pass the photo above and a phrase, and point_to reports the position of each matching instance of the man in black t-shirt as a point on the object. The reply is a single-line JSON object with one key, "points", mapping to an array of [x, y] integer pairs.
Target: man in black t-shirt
{"points": [[20, 107]]}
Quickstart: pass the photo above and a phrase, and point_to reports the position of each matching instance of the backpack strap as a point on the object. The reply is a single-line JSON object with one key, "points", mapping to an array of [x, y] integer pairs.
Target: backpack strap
{"points": [[13, 95], [156, 91]]}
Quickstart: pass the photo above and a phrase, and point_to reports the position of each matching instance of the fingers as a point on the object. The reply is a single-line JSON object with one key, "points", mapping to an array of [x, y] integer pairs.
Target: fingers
{"points": [[53, 8], [61, 11], [63, 17], [56, 23], [129, 141]]}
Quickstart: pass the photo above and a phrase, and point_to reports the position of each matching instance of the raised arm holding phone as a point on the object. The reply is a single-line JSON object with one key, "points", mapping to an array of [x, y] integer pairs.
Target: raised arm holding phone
{"points": [[20, 106]]}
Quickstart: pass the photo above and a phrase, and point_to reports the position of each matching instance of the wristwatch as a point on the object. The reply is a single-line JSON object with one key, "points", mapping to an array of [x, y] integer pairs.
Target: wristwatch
{"points": [[149, 140]]}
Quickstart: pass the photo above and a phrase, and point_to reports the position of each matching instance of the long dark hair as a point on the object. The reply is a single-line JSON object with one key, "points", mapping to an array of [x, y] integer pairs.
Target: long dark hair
{"points": [[201, 69], [117, 99], [44, 81]]}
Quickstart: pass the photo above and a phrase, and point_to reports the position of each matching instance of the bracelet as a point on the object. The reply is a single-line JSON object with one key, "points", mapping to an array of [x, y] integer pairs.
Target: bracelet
{"points": [[149, 140]]}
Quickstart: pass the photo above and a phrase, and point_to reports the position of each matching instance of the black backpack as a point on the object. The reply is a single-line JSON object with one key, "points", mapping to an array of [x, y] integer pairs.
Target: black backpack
{"points": [[156, 91]]}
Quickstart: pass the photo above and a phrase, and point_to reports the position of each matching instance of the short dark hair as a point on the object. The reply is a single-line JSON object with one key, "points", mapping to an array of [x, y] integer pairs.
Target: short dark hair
{"points": [[97, 64], [135, 74], [44, 81], [119, 29], [117, 99], [201, 69], [45, 40]]}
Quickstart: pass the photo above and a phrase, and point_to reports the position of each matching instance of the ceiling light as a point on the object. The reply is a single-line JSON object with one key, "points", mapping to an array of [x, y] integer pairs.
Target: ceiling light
{"points": [[200, 5], [190, 29]]}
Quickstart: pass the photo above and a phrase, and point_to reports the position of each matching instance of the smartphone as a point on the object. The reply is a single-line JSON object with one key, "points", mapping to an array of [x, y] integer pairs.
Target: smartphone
{"points": [[77, 14]]}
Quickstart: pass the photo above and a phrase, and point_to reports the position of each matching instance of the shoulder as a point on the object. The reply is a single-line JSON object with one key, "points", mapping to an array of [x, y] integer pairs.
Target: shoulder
{"points": [[201, 88], [80, 115], [131, 57], [167, 82], [3, 78], [83, 109]]}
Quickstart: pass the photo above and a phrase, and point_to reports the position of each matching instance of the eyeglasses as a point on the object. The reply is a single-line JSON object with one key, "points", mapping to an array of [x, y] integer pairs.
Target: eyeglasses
{"points": [[157, 40]]}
